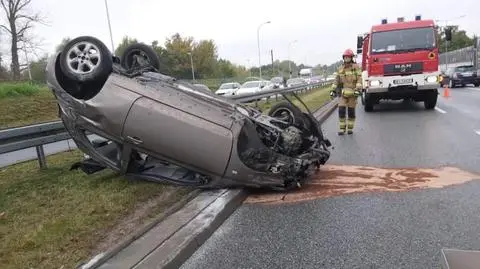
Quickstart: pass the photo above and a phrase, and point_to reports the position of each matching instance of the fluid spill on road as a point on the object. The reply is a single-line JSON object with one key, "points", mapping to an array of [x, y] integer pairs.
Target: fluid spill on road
{"points": [[333, 180]]}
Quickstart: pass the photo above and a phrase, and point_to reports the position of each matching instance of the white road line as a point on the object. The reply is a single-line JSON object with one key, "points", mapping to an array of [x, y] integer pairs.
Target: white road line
{"points": [[477, 132], [440, 110]]}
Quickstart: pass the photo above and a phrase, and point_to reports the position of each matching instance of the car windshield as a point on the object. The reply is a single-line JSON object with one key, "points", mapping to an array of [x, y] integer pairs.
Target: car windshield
{"points": [[464, 68], [251, 84], [403, 40], [226, 86]]}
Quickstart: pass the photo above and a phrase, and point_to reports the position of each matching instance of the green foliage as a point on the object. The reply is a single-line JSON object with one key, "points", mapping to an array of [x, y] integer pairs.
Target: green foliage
{"points": [[13, 89], [460, 39]]}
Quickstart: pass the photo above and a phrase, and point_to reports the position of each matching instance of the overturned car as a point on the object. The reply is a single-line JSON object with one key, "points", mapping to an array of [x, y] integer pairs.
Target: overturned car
{"points": [[154, 127]]}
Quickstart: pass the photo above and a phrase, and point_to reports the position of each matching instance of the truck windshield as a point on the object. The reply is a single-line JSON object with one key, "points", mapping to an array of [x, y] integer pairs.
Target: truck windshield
{"points": [[404, 40]]}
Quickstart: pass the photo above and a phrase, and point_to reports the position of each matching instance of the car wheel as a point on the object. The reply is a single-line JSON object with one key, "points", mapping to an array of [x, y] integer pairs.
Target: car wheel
{"points": [[86, 59], [285, 111], [139, 55]]}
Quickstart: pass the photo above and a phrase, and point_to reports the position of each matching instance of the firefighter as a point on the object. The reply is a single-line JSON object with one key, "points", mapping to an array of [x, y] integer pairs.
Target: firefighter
{"points": [[347, 86]]}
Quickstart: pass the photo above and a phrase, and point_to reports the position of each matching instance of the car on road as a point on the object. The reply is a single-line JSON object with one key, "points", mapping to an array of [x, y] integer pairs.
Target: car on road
{"points": [[277, 82], [155, 127], [228, 89], [251, 87], [295, 82], [461, 75]]}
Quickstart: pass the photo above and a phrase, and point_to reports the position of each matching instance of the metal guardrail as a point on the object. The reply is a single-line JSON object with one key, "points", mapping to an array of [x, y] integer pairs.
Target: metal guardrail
{"points": [[37, 135], [245, 98]]}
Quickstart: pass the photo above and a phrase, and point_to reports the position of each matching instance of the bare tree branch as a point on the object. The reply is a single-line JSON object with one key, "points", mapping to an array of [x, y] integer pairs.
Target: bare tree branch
{"points": [[19, 25]]}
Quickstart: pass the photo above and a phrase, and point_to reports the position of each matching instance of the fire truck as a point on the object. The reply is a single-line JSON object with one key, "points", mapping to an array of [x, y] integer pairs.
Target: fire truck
{"points": [[400, 61]]}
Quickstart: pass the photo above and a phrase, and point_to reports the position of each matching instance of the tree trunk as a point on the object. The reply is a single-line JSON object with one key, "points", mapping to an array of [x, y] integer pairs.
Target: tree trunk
{"points": [[15, 63]]}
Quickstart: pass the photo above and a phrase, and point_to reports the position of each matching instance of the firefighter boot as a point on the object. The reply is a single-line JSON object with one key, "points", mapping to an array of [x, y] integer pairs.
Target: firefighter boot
{"points": [[342, 119], [351, 120]]}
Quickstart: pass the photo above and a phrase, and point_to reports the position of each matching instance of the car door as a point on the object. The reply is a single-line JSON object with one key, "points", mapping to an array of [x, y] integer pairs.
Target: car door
{"points": [[179, 128]]}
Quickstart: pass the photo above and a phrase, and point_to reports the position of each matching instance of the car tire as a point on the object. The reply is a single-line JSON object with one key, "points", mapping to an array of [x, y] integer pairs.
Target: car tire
{"points": [[430, 100], [145, 52], [295, 115], [79, 64]]}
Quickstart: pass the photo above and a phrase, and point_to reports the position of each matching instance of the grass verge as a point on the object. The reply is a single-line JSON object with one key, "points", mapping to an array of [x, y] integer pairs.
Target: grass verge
{"points": [[56, 218], [313, 99], [24, 103]]}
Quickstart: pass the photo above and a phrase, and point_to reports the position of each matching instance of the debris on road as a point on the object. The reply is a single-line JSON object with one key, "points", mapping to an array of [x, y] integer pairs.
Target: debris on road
{"points": [[335, 180]]}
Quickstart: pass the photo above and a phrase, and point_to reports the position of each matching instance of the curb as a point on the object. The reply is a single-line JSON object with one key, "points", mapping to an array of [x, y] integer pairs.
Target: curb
{"points": [[160, 245], [171, 242]]}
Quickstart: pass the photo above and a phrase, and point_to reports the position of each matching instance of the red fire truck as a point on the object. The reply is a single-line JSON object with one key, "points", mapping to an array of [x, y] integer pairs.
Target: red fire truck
{"points": [[400, 61]]}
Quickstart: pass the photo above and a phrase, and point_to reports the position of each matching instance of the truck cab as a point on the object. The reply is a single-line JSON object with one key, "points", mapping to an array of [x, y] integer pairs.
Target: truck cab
{"points": [[400, 61]]}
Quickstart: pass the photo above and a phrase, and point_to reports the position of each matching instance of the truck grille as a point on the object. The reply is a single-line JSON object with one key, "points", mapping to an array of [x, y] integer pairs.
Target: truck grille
{"points": [[403, 69]]}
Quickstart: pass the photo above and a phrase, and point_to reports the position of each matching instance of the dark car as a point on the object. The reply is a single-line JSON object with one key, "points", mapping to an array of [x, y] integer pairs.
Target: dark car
{"points": [[157, 128], [461, 76]]}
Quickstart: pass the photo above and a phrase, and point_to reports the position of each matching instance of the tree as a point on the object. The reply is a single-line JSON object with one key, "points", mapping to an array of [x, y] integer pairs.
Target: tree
{"points": [[19, 22], [459, 40], [126, 41]]}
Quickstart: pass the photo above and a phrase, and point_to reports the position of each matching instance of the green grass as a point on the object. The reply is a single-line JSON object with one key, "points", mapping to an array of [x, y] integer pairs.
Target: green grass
{"points": [[313, 99], [56, 217], [12, 89], [22, 106]]}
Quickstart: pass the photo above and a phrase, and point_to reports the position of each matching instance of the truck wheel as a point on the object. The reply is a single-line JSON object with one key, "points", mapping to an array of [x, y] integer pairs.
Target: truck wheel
{"points": [[368, 106], [431, 100]]}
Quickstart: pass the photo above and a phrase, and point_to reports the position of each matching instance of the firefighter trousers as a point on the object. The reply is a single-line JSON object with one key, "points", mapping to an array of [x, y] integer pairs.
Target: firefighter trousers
{"points": [[346, 106]]}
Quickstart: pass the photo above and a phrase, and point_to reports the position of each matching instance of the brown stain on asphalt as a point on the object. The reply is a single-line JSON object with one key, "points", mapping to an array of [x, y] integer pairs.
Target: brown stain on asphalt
{"points": [[332, 180]]}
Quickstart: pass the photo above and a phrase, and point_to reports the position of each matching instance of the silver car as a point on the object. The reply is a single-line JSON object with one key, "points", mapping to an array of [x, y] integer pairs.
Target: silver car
{"points": [[157, 128]]}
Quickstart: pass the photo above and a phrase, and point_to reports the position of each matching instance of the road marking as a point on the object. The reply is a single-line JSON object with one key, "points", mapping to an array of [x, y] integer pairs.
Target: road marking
{"points": [[440, 110], [477, 132]]}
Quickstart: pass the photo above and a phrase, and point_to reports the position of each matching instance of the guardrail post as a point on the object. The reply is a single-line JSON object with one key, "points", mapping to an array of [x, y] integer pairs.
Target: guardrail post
{"points": [[42, 161]]}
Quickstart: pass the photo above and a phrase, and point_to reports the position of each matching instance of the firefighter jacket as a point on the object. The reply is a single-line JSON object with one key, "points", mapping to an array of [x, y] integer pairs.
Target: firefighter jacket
{"points": [[348, 79]]}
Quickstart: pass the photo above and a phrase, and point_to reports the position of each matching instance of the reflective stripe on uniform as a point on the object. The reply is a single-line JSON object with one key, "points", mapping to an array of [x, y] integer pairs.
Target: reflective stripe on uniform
{"points": [[351, 123], [342, 123]]}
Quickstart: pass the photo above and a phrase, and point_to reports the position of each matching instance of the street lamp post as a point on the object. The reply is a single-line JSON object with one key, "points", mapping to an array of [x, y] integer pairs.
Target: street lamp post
{"points": [[191, 62], [258, 44], [289, 61], [109, 26]]}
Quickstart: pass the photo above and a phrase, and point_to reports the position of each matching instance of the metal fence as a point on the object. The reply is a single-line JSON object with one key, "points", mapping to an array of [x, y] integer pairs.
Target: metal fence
{"points": [[37, 135], [463, 56]]}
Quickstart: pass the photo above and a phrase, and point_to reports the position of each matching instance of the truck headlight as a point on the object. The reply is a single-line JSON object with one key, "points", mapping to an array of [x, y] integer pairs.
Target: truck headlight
{"points": [[374, 83], [431, 79]]}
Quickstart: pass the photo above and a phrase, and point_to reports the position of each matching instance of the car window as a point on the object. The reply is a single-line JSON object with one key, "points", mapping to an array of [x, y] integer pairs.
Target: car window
{"points": [[227, 86], [464, 68], [251, 84]]}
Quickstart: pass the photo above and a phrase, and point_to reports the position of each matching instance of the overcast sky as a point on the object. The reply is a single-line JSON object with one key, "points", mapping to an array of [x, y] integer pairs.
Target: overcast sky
{"points": [[323, 28]]}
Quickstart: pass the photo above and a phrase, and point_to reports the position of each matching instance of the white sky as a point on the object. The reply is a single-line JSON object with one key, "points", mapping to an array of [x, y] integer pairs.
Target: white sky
{"points": [[323, 28]]}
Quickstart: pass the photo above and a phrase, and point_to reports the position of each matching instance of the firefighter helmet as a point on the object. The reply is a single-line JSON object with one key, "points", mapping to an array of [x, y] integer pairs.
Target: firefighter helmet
{"points": [[348, 53]]}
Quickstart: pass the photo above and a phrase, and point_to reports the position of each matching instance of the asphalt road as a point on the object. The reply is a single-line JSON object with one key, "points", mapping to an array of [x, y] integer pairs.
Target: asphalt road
{"points": [[377, 229]]}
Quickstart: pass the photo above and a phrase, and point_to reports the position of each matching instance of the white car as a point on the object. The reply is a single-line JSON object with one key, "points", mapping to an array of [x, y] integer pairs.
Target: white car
{"points": [[250, 87], [228, 89]]}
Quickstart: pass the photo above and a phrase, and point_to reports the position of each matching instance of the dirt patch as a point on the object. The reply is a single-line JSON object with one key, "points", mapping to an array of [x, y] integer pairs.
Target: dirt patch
{"points": [[337, 180], [143, 213]]}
